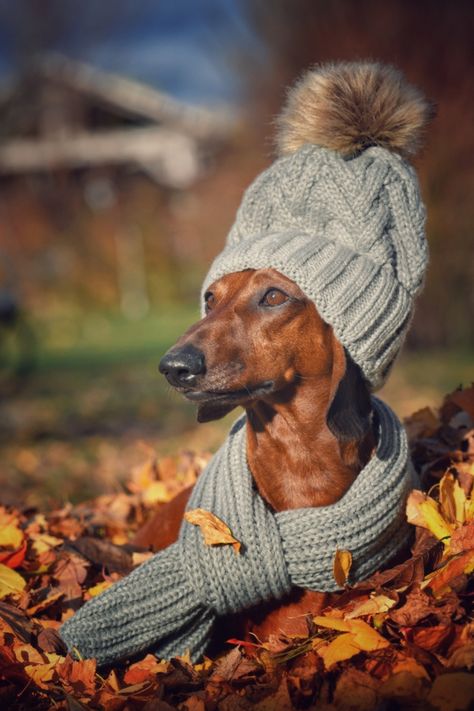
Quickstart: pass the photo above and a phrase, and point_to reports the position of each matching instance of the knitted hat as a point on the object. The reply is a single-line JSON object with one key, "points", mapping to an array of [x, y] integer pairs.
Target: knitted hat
{"points": [[340, 211]]}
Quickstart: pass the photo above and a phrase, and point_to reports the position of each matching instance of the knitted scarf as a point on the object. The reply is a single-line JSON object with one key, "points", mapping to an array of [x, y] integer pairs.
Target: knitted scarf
{"points": [[170, 603]]}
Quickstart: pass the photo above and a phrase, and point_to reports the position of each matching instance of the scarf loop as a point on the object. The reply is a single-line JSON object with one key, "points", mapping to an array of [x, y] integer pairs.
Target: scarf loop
{"points": [[169, 604]]}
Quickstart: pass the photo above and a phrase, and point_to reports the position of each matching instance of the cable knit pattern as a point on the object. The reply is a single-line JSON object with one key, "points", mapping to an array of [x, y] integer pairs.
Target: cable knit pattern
{"points": [[350, 233], [170, 603]]}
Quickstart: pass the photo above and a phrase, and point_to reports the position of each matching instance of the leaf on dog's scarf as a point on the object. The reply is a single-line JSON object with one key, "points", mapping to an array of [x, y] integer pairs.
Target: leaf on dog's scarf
{"points": [[341, 566], [214, 531]]}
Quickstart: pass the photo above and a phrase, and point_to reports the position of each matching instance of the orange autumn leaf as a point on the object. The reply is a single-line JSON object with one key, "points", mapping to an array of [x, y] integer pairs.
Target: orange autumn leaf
{"points": [[341, 648], [341, 566], [13, 559], [145, 669], [439, 581], [214, 531], [11, 582], [358, 637]]}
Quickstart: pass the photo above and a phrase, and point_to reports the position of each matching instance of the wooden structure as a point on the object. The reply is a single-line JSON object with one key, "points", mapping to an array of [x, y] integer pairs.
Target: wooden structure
{"points": [[65, 115]]}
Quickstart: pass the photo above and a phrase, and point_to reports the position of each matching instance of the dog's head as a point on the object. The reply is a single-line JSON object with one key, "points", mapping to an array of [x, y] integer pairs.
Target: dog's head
{"points": [[260, 338]]}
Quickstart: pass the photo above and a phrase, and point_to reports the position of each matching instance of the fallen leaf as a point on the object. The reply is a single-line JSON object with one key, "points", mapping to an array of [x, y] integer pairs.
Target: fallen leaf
{"points": [[43, 604], [358, 637], [422, 423], [423, 511], [214, 531], [440, 580], [462, 538], [373, 606], [341, 566], [452, 499], [41, 674], [104, 553], [99, 588], [10, 533], [156, 493], [78, 677], [146, 668], [10, 581], [13, 559]]}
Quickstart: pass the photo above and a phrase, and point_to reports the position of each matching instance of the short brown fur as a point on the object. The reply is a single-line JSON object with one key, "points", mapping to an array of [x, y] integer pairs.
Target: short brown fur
{"points": [[295, 458]]}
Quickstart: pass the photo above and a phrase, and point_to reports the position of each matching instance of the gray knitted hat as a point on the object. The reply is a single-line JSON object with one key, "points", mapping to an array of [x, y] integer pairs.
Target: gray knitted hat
{"points": [[340, 211]]}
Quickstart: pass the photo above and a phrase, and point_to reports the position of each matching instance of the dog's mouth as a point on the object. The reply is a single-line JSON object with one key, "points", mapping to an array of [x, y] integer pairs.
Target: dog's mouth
{"points": [[229, 396]]}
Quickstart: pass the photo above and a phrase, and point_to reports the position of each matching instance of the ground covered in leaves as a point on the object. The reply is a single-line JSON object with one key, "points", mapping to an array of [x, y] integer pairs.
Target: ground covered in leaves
{"points": [[402, 640]]}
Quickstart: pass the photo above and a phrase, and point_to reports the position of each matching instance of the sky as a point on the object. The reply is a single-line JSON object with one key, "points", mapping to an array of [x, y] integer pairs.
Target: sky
{"points": [[190, 48]]}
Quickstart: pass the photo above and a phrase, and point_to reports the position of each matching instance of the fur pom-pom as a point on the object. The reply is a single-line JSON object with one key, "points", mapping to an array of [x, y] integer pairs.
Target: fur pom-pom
{"points": [[350, 106]]}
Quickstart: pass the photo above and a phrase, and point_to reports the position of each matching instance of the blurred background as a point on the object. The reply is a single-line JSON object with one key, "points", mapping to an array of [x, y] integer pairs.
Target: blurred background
{"points": [[128, 132]]}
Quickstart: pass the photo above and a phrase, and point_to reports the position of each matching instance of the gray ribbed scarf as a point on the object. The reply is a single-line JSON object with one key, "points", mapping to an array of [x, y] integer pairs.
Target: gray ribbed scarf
{"points": [[170, 603]]}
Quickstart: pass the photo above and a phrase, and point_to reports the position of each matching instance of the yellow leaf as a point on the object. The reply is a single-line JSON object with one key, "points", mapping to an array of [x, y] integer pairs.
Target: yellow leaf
{"points": [[366, 637], [214, 531], [333, 623], [10, 533], [469, 509], [373, 606], [341, 566], [156, 493], [423, 511], [452, 498], [358, 637], [139, 558], [43, 542], [99, 588], [43, 673], [341, 648], [10, 581]]}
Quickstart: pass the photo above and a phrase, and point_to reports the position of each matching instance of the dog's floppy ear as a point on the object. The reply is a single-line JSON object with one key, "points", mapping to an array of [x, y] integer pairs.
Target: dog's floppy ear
{"points": [[349, 413], [209, 411]]}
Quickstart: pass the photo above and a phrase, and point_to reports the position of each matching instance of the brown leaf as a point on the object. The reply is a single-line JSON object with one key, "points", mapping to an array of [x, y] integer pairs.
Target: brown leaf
{"points": [[423, 423], [418, 605], [452, 498], [214, 531], [104, 553], [462, 538], [433, 639], [441, 579], [70, 571], [341, 566]]}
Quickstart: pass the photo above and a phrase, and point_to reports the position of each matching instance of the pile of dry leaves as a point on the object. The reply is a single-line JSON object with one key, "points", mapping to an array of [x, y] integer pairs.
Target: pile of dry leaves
{"points": [[402, 640]]}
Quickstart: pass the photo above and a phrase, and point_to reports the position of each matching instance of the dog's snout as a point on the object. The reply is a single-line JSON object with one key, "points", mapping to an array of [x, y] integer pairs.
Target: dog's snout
{"points": [[182, 366]]}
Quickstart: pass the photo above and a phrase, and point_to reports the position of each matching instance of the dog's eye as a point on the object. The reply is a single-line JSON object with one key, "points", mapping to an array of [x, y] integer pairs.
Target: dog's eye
{"points": [[209, 301], [274, 297]]}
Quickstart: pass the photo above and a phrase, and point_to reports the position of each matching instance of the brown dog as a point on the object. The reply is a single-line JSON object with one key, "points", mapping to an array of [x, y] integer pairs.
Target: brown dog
{"points": [[263, 345]]}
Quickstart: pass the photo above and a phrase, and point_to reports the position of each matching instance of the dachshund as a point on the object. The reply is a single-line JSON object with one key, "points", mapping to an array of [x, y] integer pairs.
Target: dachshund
{"points": [[263, 345]]}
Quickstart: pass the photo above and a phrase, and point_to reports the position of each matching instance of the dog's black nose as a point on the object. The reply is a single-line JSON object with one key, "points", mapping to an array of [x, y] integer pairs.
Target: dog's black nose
{"points": [[182, 366]]}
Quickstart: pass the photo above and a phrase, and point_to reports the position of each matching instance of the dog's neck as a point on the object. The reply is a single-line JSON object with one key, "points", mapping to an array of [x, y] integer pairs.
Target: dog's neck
{"points": [[304, 450]]}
